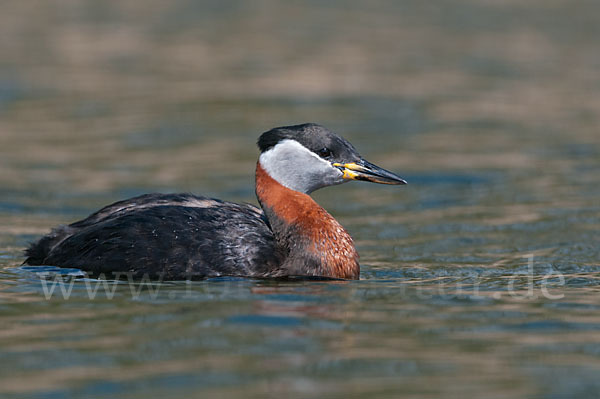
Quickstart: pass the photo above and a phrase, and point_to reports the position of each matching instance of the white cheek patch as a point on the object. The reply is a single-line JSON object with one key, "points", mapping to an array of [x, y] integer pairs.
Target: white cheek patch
{"points": [[296, 167]]}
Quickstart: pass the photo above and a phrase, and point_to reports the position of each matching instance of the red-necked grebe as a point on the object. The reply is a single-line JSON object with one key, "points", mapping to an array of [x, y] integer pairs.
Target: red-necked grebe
{"points": [[183, 236]]}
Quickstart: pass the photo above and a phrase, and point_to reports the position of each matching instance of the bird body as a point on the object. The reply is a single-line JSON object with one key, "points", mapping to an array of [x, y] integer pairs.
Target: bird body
{"points": [[188, 237], [315, 243]]}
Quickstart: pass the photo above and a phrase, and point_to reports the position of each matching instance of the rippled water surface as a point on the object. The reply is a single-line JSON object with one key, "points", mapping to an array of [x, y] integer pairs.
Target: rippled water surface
{"points": [[481, 278]]}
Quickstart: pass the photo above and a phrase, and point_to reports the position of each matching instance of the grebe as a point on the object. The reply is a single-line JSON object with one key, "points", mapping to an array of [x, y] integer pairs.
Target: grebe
{"points": [[184, 237]]}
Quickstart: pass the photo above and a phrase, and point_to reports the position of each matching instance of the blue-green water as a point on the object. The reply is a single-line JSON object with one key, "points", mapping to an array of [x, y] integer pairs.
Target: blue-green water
{"points": [[481, 278]]}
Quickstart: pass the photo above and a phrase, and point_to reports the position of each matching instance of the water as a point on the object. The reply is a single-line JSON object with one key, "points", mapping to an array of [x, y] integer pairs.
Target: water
{"points": [[481, 278]]}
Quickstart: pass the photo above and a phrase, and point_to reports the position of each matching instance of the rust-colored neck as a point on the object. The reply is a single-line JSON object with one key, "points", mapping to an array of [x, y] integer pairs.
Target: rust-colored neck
{"points": [[316, 243]]}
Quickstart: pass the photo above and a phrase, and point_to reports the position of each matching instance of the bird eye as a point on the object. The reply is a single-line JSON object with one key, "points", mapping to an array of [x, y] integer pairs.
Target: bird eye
{"points": [[324, 152]]}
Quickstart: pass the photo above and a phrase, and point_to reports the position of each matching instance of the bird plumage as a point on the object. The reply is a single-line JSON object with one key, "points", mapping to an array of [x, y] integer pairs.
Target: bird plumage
{"points": [[165, 236], [188, 237]]}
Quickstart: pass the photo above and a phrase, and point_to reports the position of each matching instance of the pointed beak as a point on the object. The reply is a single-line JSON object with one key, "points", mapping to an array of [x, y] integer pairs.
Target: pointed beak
{"points": [[363, 170]]}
